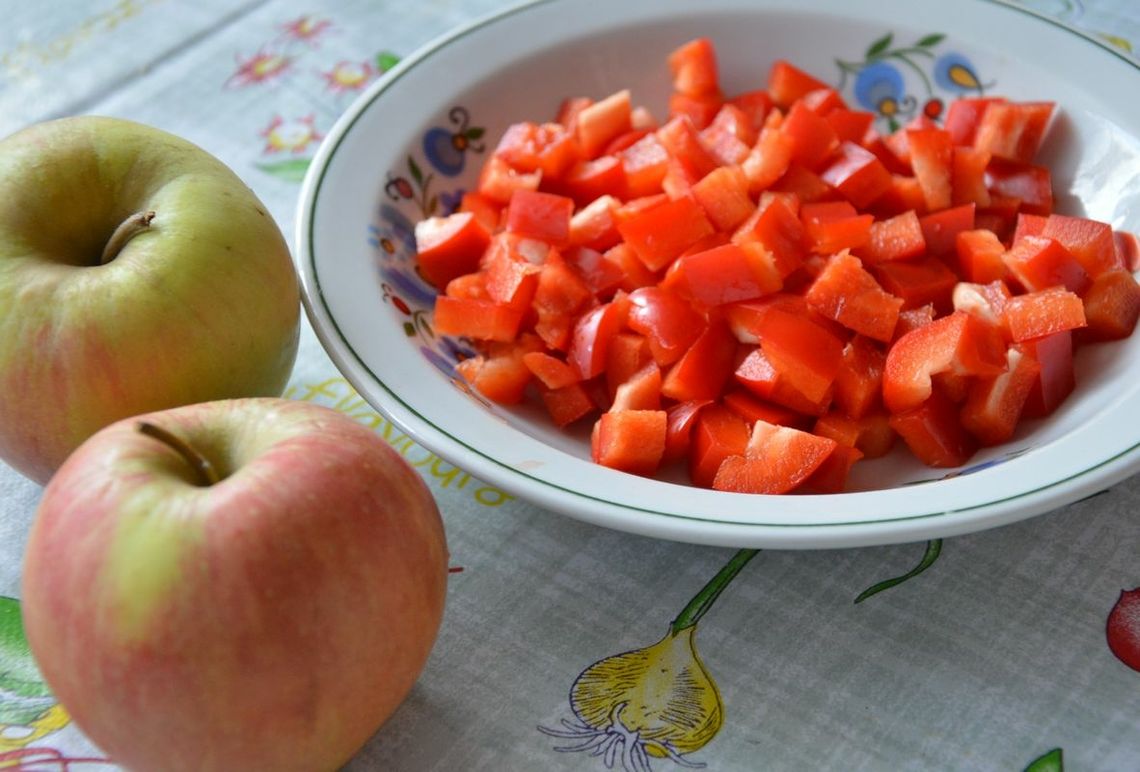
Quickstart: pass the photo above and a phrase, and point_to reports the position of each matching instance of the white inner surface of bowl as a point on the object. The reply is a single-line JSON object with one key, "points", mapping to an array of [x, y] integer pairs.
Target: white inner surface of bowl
{"points": [[521, 65]]}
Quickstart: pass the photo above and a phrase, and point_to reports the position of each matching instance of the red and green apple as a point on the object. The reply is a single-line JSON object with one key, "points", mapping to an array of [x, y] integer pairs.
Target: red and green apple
{"points": [[137, 273], [239, 584]]}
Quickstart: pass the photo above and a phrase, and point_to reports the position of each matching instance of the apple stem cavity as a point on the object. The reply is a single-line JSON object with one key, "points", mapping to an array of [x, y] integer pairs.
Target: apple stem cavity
{"points": [[127, 230], [206, 472]]}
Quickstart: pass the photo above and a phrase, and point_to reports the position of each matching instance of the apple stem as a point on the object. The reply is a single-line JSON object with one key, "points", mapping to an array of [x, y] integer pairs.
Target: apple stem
{"points": [[127, 230], [206, 472]]}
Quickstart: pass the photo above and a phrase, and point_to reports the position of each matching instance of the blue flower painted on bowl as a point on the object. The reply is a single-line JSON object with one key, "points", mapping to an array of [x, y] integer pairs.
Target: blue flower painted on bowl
{"points": [[441, 151], [879, 87], [409, 286], [954, 72], [444, 365], [458, 348], [396, 242], [399, 227], [899, 81], [446, 149], [406, 197]]}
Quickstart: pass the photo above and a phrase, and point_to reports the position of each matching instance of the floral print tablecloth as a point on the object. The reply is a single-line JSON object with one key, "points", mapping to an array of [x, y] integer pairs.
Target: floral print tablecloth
{"points": [[1013, 649]]}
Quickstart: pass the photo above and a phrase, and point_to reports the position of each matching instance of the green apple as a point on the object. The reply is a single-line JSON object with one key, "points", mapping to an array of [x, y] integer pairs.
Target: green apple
{"points": [[248, 584], [137, 273]]}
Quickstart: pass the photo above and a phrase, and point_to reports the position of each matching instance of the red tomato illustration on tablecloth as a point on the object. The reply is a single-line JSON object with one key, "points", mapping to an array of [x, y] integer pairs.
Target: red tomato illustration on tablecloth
{"points": [[1123, 628]]}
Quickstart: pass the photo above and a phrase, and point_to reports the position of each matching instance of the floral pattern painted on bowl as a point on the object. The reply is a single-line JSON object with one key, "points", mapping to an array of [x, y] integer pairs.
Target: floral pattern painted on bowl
{"points": [[898, 82]]}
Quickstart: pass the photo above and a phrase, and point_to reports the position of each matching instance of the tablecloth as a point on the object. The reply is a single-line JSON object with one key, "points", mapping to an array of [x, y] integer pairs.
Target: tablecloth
{"points": [[998, 656]]}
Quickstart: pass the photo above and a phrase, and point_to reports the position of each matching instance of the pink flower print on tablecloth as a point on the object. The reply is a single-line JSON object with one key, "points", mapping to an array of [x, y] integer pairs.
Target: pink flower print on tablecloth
{"points": [[306, 29], [348, 76], [294, 135], [262, 67]]}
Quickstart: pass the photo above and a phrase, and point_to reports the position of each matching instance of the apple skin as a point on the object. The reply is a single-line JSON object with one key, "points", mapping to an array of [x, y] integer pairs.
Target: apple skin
{"points": [[273, 620], [203, 305]]}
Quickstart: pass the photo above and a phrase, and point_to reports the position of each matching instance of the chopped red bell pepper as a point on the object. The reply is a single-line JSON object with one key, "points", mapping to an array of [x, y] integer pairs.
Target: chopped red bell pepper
{"points": [[963, 116], [980, 256], [1013, 130], [768, 160], [932, 158], [601, 121], [727, 274], [859, 382], [1039, 262], [968, 177], [848, 294], [641, 391], [553, 372], [933, 432], [994, 403], [940, 229], [767, 271], [757, 374], [679, 422], [787, 83], [644, 163], [918, 282], [831, 476], [717, 434], [666, 320], [1042, 313], [1112, 306], [630, 440], [447, 247], [591, 337], [480, 319], [857, 174], [832, 226], [777, 227], [703, 370], [662, 232], [777, 459], [723, 194], [812, 137], [752, 409], [1031, 185], [567, 404], [1089, 241], [958, 343], [897, 238], [1054, 354], [693, 67]]}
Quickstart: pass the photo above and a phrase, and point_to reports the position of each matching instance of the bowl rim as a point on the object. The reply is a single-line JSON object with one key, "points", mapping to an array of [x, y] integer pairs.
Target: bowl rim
{"points": [[590, 508]]}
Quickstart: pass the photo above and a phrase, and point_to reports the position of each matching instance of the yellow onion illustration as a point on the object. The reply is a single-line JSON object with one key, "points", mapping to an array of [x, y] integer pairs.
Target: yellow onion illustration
{"points": [[15, 737], [654, 702]]}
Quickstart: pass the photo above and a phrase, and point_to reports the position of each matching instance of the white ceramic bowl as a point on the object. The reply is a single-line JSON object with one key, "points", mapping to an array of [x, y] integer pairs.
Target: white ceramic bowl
{"points": [[394, 156]]}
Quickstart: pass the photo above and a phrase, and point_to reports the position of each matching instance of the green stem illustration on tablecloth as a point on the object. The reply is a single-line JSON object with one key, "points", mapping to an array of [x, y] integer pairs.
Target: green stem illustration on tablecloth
{"points": [[933, 550], [1053, 761], [28, 711]]}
